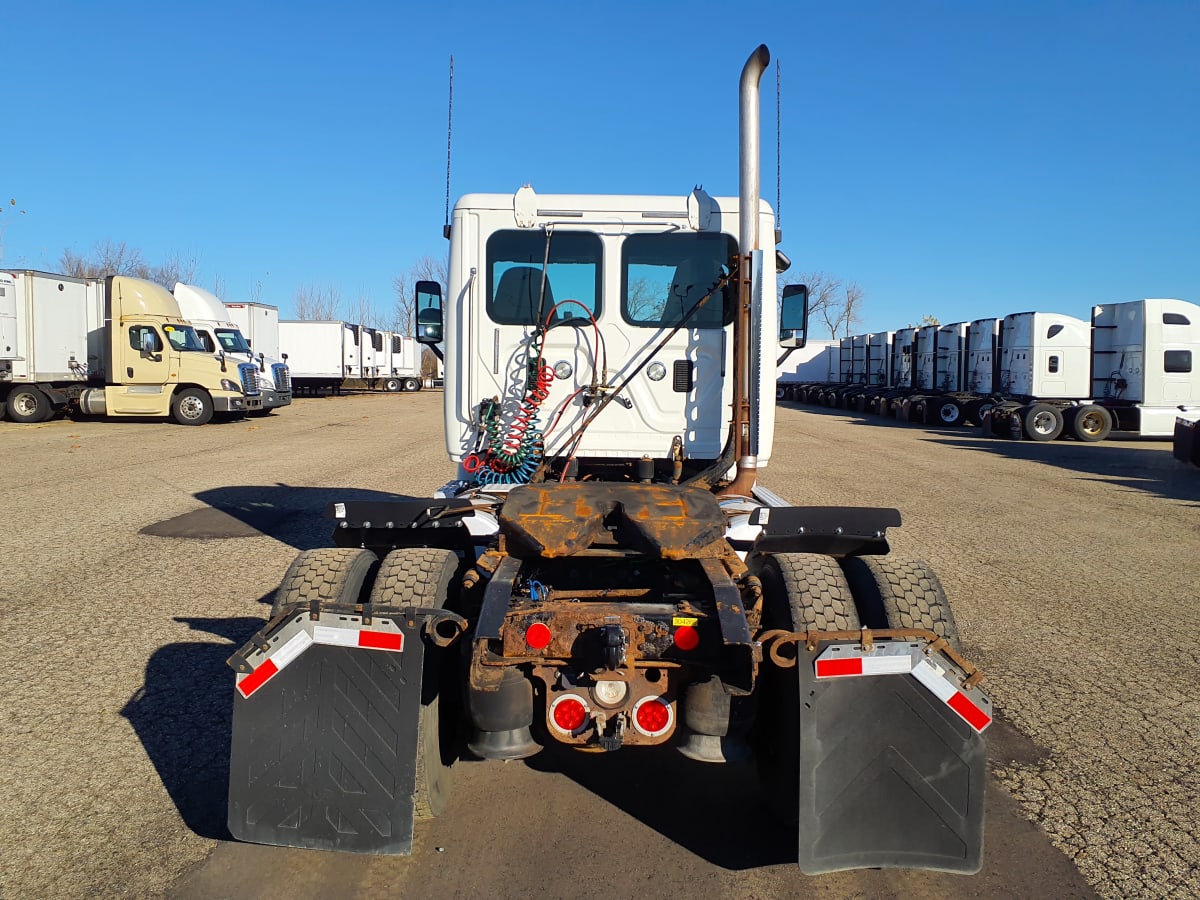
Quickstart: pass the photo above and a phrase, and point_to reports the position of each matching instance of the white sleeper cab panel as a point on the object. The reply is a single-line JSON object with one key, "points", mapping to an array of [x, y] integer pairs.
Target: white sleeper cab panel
{"points": [[621, 272], [1046, 355], [983, 357]]}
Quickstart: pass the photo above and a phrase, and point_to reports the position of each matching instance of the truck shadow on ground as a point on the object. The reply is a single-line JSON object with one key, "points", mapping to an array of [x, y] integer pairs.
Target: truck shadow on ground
{"points": [[676, 797], [1149, 467], [183, 713], [292, 515]]}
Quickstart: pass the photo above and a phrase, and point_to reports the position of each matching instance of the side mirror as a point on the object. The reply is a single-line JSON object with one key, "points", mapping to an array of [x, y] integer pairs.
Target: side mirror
{"points": [[429, 312], [793, 316], [151, 346]]}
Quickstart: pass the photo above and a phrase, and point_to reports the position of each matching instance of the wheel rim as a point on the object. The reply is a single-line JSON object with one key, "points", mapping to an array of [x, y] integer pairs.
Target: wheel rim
{"points": [[949, 413], [1091, 424], [1043, 423], [191, 407], [25, 404]]}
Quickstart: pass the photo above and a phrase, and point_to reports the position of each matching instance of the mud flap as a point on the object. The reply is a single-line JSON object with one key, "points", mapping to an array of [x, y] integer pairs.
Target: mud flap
{"points": [[324, 748], [891, 764]]}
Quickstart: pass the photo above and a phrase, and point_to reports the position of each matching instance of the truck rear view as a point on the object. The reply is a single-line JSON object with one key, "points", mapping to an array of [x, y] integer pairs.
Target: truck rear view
{"points": [[604, 571]]}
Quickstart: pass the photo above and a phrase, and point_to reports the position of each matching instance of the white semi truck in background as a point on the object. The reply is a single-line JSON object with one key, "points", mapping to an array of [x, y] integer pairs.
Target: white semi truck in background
{"points": [[117, 346], [221, 335]]}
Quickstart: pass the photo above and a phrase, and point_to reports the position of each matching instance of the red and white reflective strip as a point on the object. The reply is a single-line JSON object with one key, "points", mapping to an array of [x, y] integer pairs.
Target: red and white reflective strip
{"points": [[900, 658], [306, 633]]}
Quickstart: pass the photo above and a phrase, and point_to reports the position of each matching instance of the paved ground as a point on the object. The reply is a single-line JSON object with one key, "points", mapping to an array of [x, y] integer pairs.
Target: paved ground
{"points": [[139, 554]]}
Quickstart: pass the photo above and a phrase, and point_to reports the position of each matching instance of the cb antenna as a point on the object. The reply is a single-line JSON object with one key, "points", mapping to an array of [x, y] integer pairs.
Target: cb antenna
{"points": [[449, 134]]}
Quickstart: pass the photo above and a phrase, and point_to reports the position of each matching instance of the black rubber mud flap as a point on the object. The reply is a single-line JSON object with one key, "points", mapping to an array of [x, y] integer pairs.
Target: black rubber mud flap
{"points": [[324, 748], [891, 776]]}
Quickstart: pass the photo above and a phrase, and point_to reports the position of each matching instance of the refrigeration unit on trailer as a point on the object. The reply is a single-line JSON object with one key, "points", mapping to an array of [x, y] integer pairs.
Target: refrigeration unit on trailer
{"points": [[117, 347], [221, 335], [604, 572]]}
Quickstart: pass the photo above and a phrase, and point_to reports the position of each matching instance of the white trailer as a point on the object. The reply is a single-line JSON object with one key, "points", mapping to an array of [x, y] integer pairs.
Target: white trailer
{"points": [[259, 322], [335, 356], [404, 363], [814, 363], [222, 336]]}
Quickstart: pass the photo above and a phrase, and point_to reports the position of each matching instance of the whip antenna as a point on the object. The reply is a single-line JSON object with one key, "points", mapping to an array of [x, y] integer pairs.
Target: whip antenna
{"points": [[449, 134]]}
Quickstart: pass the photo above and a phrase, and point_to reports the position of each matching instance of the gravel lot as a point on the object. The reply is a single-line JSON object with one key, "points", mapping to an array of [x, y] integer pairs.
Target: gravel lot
{"points": [[139, 553]]}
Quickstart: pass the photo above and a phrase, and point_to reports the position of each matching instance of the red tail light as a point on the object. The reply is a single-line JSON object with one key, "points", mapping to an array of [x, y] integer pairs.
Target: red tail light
{"points": [[653, 716], [687, 637], [538, 636], [569, 713]]}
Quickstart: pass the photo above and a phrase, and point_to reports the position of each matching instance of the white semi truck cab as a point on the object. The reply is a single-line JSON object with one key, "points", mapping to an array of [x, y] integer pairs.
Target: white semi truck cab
{"points": [[618, 579], [221, 335]]}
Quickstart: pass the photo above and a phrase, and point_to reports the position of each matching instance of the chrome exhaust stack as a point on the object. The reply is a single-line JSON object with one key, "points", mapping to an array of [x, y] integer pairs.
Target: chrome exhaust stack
{"points": [[744, 353]]}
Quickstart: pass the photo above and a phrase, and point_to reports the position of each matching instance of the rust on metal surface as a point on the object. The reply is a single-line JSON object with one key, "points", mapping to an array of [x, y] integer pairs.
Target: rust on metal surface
{"points": [[664, 521], [778, 638]]}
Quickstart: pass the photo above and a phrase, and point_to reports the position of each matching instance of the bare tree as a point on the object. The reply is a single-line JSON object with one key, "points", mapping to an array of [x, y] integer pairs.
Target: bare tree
{"points": [[842, 314], [404, 311], [318, 303], [838, 305], [219, 287], [254, 295], [108, 258], [363, 312], [174, 269]]}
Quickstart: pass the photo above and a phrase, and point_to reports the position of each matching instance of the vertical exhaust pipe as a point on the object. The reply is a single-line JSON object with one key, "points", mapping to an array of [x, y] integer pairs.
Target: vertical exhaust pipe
{"points": [[744, 353]]}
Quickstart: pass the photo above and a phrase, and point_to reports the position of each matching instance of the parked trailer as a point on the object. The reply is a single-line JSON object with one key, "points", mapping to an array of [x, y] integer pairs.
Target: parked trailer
{"points": [[221, 335], [259, 324], [815, 363], [334, 356], [1131, 370], [612, 589], [403, 365], [116, 347]]}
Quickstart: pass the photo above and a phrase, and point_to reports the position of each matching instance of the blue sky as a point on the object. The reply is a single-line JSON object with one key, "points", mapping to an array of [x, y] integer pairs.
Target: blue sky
{"points": [[959, 159]]}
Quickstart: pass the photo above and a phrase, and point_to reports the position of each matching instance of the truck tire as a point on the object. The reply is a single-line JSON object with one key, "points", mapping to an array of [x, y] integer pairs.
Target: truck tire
{"points": [[192, 406], [392, 385], [423, 577], [331, 574], [975, 410], [412, 384], [900, 593], [28, 405], [1041, 421], [949, 412], [1088, 423], [800, 591]]}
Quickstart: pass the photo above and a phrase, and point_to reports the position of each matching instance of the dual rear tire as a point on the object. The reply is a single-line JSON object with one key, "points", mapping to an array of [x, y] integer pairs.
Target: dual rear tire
{"points": [[804, 591], [419, 577]]}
